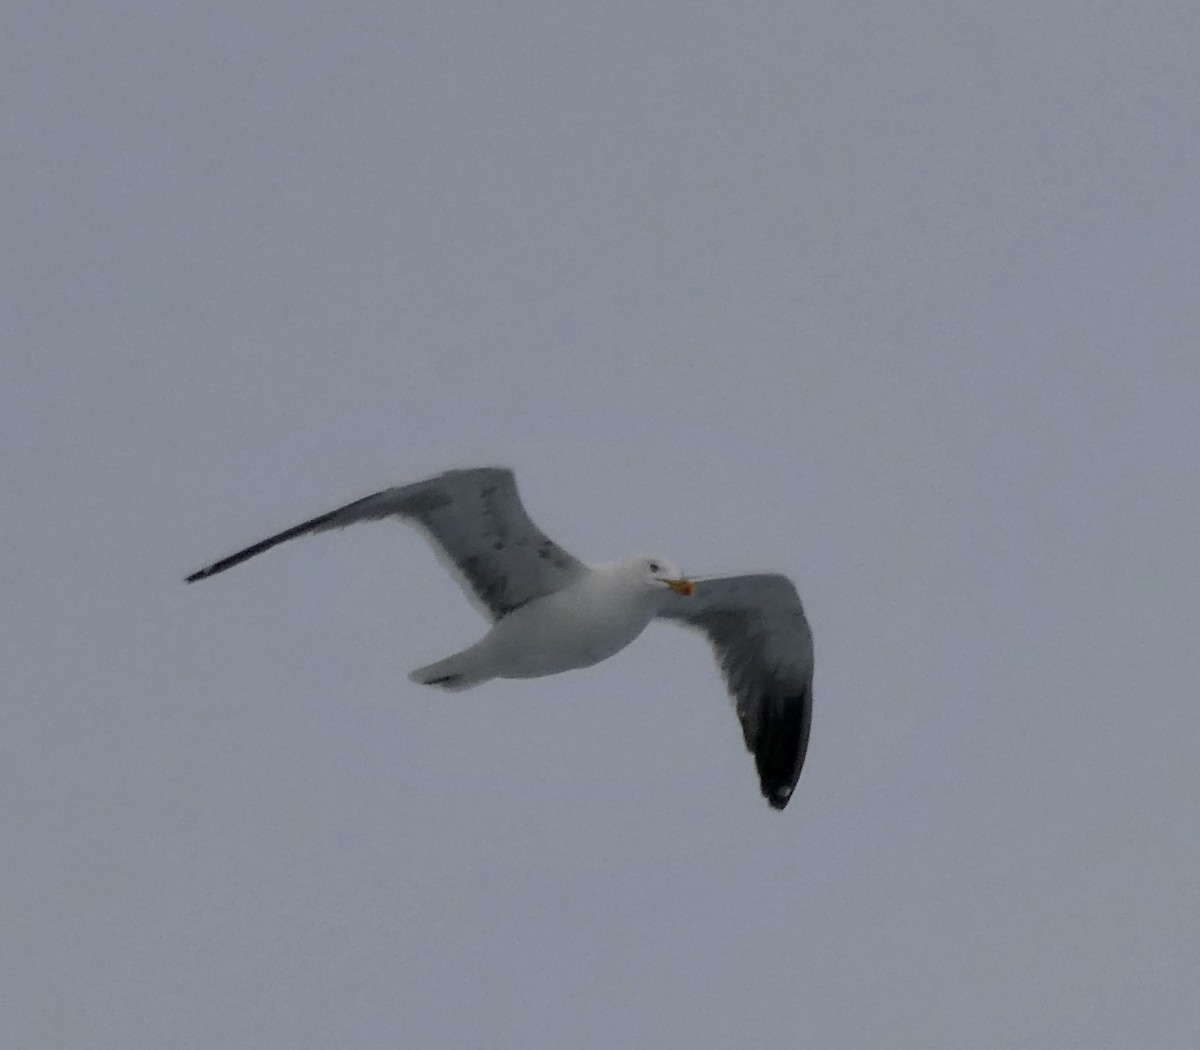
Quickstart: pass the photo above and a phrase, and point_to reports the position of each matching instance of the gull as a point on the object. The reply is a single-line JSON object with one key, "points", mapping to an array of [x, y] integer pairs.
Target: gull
{"points": [[551, 612]]}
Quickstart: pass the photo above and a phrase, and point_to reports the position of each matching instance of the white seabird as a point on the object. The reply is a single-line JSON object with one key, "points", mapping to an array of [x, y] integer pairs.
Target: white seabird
{"points": [[551, 612]]}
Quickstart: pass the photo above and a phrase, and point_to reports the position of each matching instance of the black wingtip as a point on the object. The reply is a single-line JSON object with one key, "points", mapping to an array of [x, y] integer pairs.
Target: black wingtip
{"points": [[779, 747], [211, 570], [312, 525], [777, 800]]}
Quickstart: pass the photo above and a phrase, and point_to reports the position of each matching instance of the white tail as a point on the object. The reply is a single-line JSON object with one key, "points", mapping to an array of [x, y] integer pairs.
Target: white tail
{"points": [[455, 673]]}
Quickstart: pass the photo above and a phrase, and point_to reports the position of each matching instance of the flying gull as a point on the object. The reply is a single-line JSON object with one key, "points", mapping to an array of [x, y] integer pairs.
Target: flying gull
{"points": [[551, 612]]}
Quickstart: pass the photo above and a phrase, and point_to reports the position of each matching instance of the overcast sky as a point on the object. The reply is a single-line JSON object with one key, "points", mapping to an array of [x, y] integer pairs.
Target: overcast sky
{"points": [[899, 299]]}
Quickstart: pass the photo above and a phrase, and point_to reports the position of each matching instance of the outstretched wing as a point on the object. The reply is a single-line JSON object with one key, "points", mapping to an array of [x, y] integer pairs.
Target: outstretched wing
{"points": [[764, 647], [478, 528]]}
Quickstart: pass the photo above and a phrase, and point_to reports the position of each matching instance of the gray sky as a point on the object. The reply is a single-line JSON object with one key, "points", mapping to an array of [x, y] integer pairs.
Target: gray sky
{"points": [[898, 299]]}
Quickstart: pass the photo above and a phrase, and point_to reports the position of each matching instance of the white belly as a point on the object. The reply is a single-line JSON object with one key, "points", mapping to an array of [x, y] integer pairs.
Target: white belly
{"points": [[561, 632]]}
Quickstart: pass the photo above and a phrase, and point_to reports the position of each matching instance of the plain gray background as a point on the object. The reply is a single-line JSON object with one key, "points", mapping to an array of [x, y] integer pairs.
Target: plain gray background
{"points": [[900, 299]]}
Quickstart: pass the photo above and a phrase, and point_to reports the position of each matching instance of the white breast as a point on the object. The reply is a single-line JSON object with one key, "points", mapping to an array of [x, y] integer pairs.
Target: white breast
{"points": [[575, 627]]}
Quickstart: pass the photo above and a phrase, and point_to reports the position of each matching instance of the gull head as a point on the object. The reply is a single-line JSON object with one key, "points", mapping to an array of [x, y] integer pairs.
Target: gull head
{"points": [[658, 573]]}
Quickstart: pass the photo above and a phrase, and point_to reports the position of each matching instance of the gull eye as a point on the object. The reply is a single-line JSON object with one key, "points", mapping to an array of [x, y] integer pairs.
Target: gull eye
{"points": [[655, 567]]}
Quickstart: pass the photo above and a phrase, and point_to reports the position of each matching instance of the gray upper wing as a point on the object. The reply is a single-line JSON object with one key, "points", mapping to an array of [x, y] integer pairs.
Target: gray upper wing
{"points": [[477, 525], [764, 647]]}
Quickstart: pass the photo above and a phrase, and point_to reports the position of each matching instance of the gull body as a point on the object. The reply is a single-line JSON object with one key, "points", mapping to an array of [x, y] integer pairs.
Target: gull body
{"points": [[551, 612], [588, 620]]}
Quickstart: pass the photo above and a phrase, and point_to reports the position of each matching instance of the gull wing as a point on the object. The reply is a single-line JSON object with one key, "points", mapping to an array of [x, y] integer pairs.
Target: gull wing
{"points": [[764, 647], [478, 528]]}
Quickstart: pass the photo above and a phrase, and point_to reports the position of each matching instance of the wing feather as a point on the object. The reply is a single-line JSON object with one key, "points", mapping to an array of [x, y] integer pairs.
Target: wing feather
{"points": [[477, 525], [764, 648]]}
